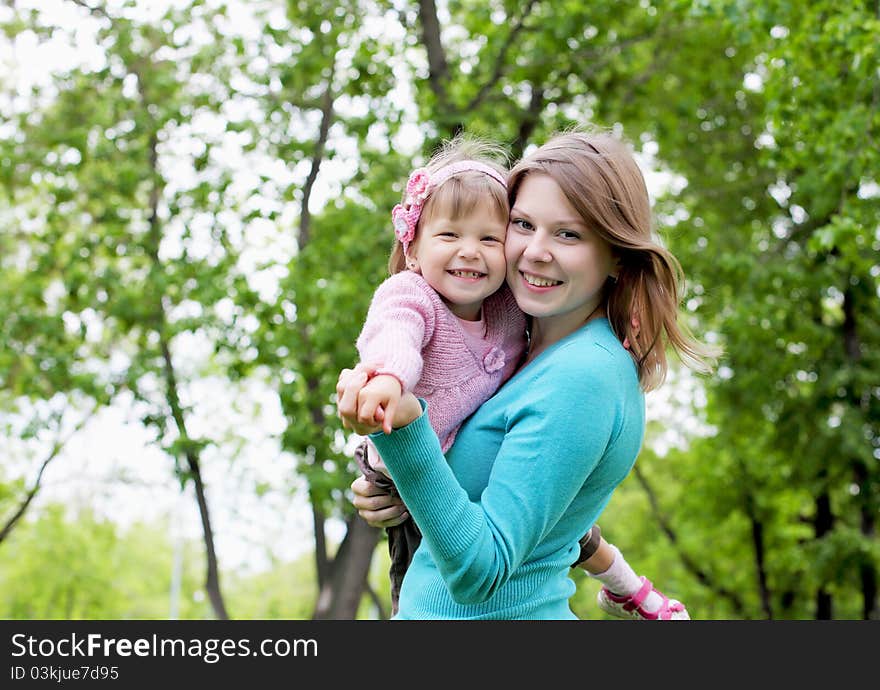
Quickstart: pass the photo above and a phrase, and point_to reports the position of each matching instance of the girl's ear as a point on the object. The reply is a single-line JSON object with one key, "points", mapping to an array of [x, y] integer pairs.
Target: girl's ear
{"points": [[412, 263]]}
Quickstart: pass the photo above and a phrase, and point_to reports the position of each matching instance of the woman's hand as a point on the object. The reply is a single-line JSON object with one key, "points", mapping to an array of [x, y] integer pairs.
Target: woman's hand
{"points": [[377, 507]]}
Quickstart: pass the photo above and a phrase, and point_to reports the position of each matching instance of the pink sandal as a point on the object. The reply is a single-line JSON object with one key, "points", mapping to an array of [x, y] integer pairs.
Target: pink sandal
{"points": [[631, 607]]}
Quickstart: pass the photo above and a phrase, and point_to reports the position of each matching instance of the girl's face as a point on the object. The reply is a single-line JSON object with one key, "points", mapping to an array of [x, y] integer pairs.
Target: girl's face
{"points": [[556, 265], [462, 259]]}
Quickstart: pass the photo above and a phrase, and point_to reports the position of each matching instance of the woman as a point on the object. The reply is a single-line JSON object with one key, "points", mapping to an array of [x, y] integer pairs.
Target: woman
{"points": [[501, 514]]}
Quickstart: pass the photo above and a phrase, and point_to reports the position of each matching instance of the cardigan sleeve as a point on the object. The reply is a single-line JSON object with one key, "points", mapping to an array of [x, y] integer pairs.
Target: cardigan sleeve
{"points": [[547, 453], [399, 324]]}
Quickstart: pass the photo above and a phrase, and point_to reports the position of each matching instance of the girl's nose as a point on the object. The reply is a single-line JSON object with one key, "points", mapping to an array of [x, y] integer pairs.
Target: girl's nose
{"points": [[468, 250]]}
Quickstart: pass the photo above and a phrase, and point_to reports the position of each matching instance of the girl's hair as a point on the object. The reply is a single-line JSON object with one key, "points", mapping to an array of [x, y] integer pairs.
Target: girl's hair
{"points": [[462, 193], [601, 179]]}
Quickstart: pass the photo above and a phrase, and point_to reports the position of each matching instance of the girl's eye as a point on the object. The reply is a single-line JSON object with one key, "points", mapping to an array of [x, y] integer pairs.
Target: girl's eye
{"points": [[446, 234], [491, 239]]}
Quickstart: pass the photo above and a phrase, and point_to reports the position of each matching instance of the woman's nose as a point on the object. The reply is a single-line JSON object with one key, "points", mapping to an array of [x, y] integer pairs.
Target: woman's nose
{"points": [[536, 248]]}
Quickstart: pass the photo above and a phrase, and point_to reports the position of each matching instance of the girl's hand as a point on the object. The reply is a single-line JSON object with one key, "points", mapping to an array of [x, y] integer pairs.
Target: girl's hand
{"points": [[355, 408], [408, 410], [375, 506], [377, 401], [348, 388]]}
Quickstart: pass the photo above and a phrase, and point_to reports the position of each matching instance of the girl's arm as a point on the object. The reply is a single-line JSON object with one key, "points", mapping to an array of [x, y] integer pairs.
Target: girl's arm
{"points": [[399, 324]]}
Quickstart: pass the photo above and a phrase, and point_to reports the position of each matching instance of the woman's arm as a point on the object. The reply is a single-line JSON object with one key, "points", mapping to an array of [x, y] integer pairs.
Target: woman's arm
{"points": [[547, 453]]}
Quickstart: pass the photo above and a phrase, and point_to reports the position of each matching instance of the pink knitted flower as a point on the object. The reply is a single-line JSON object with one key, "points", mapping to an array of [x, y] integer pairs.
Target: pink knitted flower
{"points": [[404, 229], [405, 217], [417, 186], [494, 360]]}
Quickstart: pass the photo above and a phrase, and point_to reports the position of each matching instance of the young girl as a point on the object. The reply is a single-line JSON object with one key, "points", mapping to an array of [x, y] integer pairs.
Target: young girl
{"points": [[445, 327]]}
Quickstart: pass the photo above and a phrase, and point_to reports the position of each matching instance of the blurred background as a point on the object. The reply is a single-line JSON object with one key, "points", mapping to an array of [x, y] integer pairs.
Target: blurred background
{"points": [[194, 212]]}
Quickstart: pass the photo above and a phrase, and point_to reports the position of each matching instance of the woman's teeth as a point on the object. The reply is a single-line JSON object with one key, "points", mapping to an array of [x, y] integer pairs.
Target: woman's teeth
{"points": [[540, 282]]}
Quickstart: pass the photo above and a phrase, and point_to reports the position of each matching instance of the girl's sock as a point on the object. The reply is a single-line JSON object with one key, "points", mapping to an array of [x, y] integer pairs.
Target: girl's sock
{"points": [[622, 580]]}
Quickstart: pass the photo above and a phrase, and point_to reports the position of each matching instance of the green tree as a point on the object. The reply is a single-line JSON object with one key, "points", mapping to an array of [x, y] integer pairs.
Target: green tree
{"points": [[337, 90], [776, 219], [762, 116], [135, 231]]}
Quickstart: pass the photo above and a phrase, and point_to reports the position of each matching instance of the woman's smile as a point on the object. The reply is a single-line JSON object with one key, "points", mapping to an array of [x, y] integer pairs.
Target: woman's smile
{"points": [[537, 282]]}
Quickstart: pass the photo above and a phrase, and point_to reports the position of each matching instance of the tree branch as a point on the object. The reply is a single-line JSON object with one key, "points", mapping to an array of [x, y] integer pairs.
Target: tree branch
{"points": [[327, 115], [758, 543], [95, 10], [438, 67], [689, 564], [35, 487], [500, 58]]}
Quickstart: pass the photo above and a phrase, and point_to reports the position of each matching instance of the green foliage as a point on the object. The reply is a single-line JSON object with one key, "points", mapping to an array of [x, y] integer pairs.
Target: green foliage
{"points": [[63, 566], [81, 567], [286, 592]]}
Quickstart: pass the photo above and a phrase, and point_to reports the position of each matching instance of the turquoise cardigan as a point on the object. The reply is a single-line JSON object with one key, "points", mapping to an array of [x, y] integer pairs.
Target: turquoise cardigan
{"points": [[530, 471]]}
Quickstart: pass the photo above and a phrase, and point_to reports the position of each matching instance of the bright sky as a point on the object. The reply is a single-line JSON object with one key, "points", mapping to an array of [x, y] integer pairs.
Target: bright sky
{"points": [[112, 466]]}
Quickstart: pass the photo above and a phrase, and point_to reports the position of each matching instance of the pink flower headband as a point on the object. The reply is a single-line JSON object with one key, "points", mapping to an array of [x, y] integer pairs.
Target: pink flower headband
{"points": [[421, 183]]}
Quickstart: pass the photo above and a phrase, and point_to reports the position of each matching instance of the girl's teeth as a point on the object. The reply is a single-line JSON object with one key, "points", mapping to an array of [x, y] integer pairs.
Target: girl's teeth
{"points": [[466, 274]]}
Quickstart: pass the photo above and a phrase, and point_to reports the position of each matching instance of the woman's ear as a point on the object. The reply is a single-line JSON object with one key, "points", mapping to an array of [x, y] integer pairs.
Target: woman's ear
{"points": [[615, 269]]}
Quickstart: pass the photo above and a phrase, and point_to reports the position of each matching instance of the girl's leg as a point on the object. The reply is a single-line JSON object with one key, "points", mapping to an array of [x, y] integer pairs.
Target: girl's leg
{"points": [[625, 594]]}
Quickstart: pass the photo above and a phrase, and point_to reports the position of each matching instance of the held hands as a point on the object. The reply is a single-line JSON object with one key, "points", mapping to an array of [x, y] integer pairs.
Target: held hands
{"points": [[367, 404]]}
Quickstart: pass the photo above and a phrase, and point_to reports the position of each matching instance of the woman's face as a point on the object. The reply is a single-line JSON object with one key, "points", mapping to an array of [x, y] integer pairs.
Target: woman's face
{"points": [[556, 265]]}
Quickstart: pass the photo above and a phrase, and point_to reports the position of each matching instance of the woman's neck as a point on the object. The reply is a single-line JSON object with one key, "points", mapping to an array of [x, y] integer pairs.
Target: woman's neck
{"points": [[551, 329]]}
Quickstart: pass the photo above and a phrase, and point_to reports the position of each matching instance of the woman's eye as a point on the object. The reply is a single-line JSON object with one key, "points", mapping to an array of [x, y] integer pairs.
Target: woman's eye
{"points": [[569, 235], [521, 223]]}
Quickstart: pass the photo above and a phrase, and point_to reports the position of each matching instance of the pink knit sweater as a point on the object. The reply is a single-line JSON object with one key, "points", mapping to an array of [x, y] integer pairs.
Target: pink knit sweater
{"points": [[411, 334]]}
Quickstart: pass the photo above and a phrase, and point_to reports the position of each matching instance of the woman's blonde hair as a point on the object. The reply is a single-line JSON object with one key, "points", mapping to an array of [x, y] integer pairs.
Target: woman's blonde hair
{"points": [[601, 179], [461, 194]]}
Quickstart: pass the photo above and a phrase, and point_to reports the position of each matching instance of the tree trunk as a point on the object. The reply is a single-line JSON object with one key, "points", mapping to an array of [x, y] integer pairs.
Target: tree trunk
{"points": [[529, 122], [322, 562], [862, 475], [172, 395], [341, 595], [823, 523], [758, 544], [867, 570]]}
